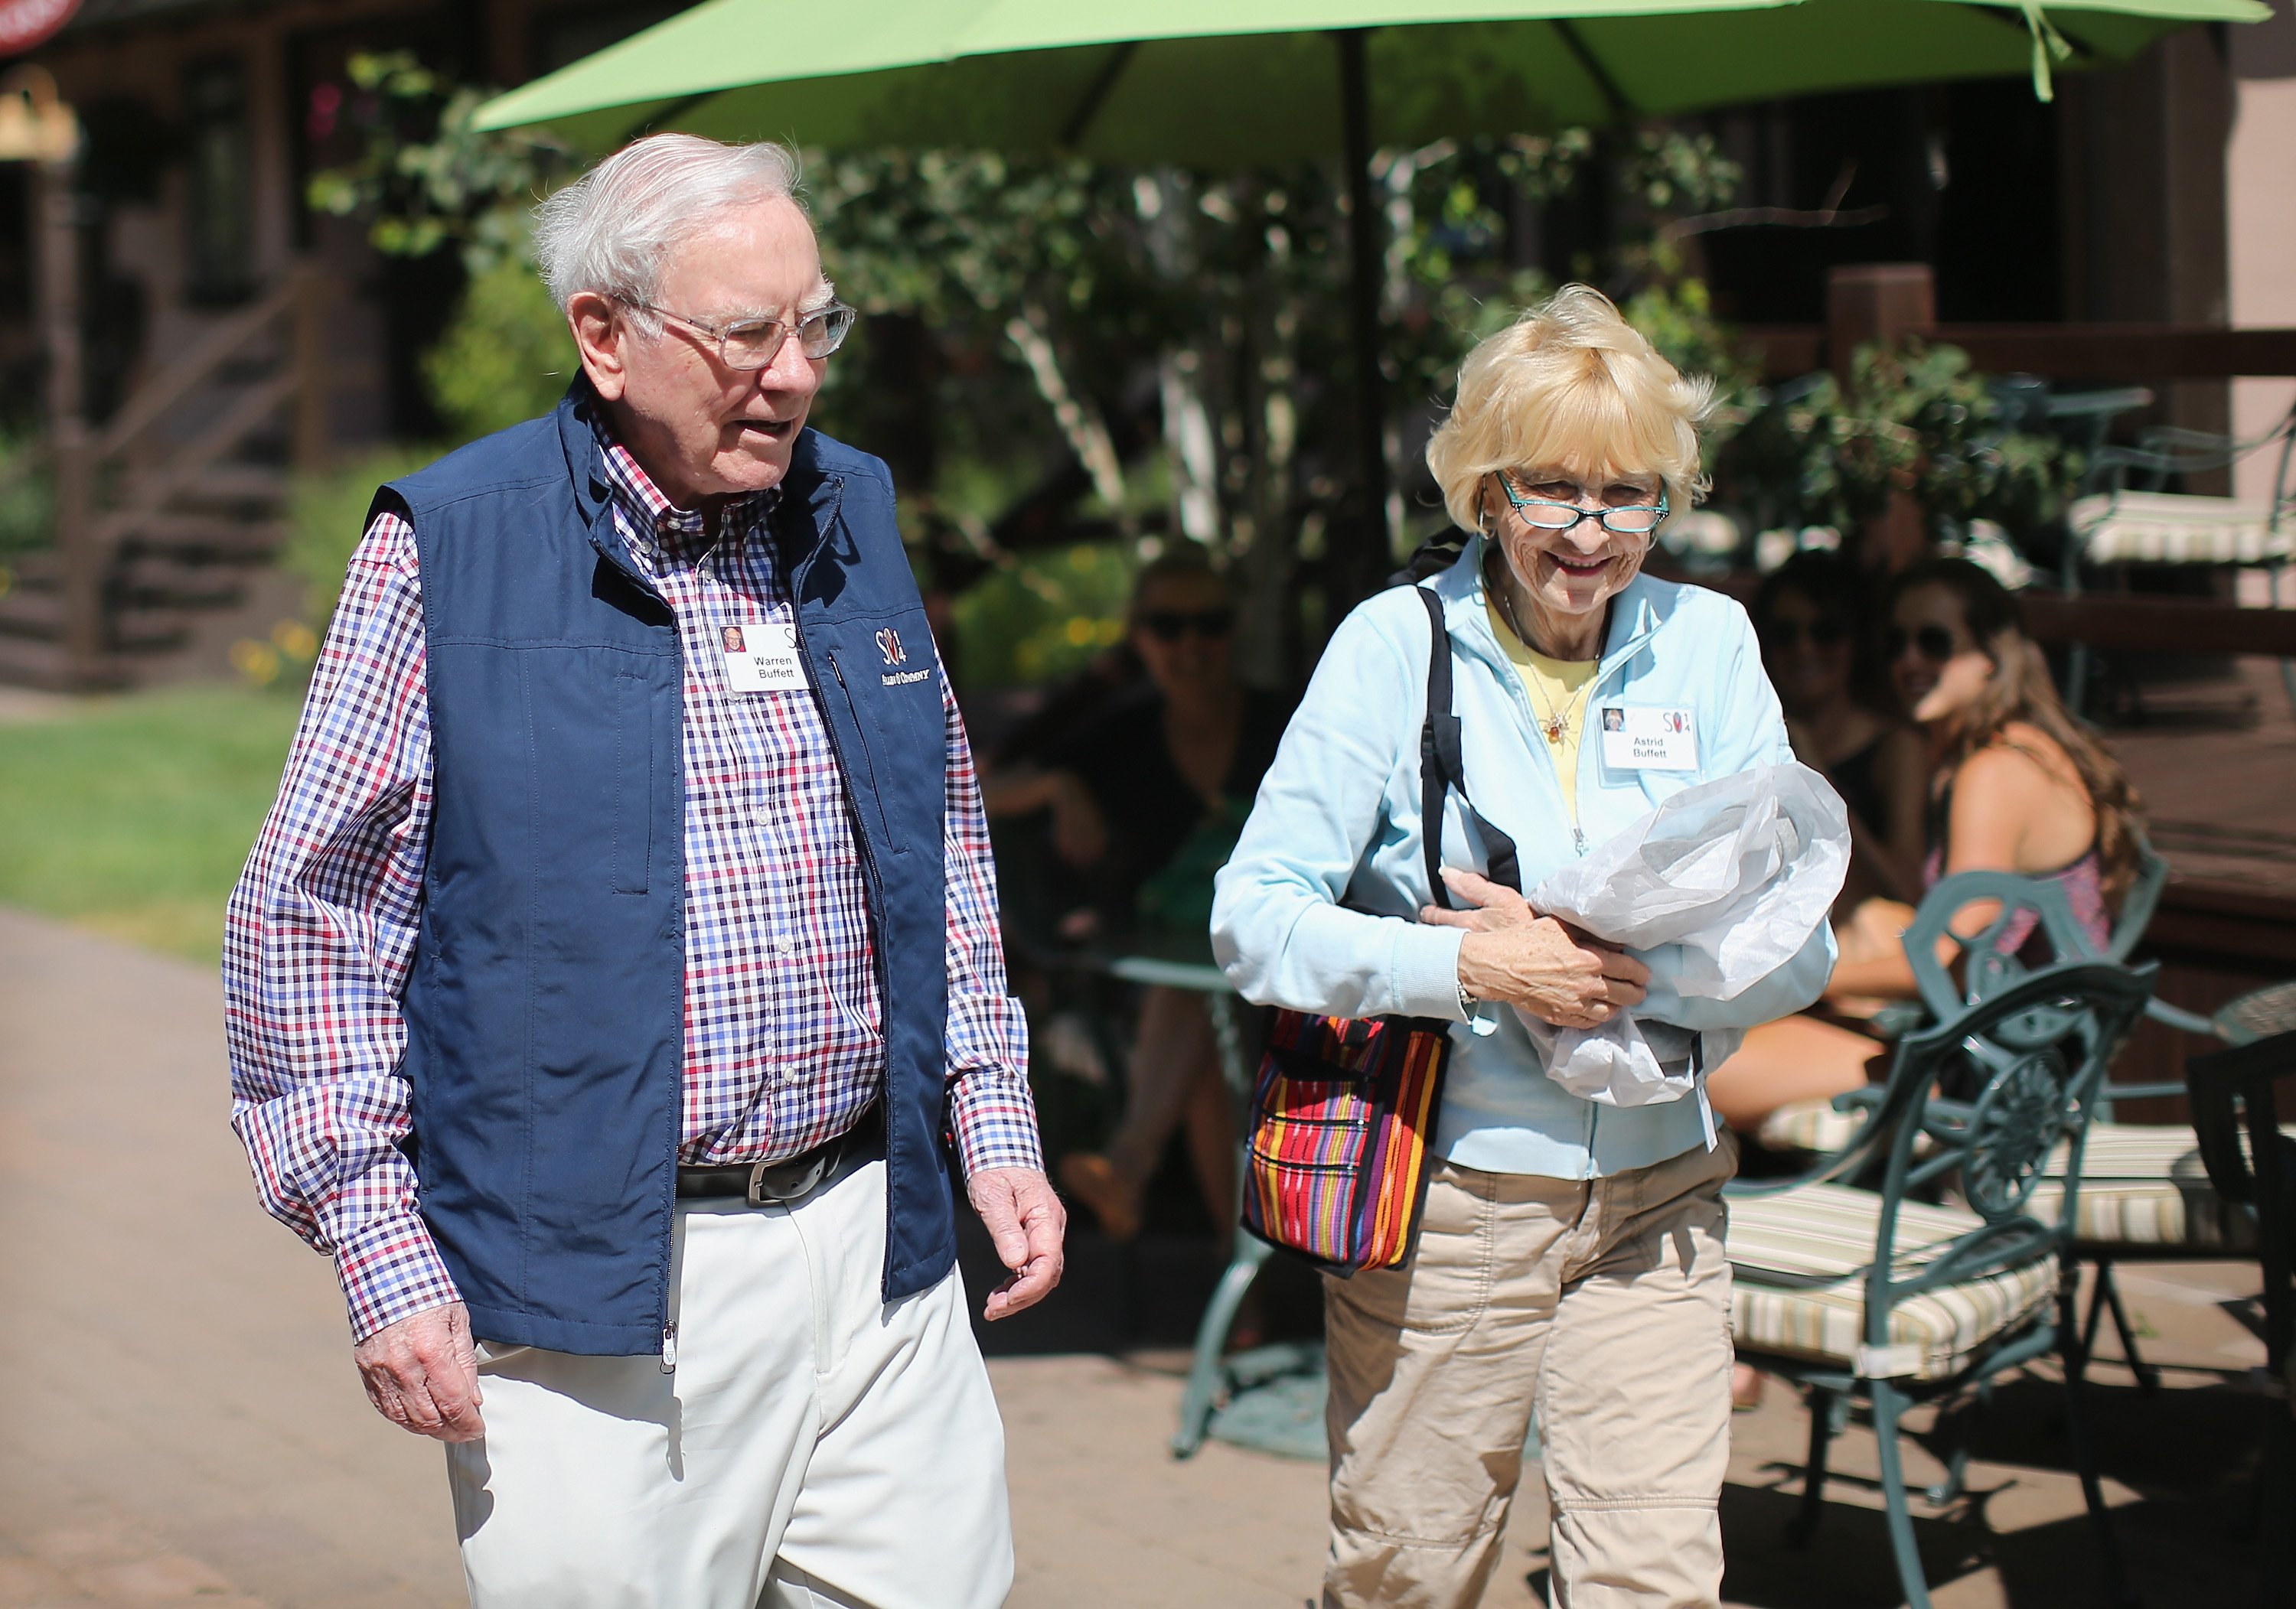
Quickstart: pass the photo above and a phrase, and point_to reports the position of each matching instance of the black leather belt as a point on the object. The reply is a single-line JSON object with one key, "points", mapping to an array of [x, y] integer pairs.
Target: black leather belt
{"points": [[791, 1178]]}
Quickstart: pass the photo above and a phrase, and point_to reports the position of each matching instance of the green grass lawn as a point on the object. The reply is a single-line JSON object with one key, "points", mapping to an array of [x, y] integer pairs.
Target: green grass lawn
{"points": [[132, 815]]}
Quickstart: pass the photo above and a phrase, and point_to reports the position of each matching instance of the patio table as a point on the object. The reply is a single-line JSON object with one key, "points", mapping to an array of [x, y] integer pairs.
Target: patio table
{"points": [[1184, 961]]}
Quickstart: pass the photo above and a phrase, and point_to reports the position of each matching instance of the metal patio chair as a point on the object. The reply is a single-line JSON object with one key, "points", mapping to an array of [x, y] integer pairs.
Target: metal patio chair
{"points": [[2251, 1160], [1938, 1278], [2143, 1195], [2130, 518]]}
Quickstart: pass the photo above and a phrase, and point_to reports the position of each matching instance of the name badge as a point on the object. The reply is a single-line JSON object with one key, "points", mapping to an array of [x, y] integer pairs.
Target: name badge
{"points": [[1643, 738], [761, 656]]}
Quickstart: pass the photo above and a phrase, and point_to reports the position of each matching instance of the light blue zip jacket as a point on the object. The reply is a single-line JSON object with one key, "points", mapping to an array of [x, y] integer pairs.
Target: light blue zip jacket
{"points": [[1317, 908]]}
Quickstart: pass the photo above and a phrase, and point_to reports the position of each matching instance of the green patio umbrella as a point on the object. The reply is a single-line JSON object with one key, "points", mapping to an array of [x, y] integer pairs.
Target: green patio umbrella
{"points": [[1235, 83], [1230, 83]]}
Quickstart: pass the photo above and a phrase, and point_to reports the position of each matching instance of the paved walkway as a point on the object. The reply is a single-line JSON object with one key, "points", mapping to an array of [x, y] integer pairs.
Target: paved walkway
{"points": [[184, 1426]]}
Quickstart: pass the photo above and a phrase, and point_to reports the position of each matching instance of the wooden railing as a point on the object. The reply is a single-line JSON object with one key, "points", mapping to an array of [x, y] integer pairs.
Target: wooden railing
{"points": [[87, 465], [2133, 352], [1893, 302], [2128, 622]]}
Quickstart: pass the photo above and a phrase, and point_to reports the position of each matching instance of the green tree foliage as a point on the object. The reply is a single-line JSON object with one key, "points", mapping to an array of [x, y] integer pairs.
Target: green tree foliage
{"points": [[1177, 346], [427, 178], [506, 355], [26, 496], [1044, 617], [1915, 419], [328, 515]]}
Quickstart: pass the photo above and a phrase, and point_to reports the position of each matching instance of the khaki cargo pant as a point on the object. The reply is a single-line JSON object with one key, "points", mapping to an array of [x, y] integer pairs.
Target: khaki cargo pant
{"points": [[1606, 1303]]}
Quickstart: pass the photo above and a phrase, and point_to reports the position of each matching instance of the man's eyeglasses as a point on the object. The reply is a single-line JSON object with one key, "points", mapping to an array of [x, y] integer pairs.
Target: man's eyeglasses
{"points": [[1542, 514], [1786, 635], [752, 343], [1933, 642], [1169, 625]]}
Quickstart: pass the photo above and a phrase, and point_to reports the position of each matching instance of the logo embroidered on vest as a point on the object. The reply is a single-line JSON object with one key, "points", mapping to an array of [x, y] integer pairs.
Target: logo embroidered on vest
{"points": [[888, 643]]}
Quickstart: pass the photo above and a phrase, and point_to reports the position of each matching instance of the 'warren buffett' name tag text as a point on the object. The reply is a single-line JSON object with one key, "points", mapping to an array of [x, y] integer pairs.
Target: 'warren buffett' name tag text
{"points": [[762, 657]]}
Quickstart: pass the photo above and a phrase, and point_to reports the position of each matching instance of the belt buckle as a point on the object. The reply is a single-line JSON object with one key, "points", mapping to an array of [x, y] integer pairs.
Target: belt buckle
{"points": [[772, 1183]]}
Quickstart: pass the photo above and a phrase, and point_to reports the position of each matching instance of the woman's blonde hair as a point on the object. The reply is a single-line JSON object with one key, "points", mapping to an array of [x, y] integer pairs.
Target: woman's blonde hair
{"points": [[1569, 381]]}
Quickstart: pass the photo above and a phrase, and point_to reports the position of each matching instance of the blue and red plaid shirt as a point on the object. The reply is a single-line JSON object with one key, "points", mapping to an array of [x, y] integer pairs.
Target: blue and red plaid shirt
{"points": [[783, 1009]]}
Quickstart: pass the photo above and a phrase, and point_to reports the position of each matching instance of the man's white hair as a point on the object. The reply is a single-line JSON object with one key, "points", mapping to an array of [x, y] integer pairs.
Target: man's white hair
{"points": [[611, 230]]}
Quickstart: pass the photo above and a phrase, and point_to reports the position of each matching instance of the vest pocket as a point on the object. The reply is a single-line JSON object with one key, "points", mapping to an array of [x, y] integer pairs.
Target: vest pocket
{"points": [[631, 786], [861, 767]]}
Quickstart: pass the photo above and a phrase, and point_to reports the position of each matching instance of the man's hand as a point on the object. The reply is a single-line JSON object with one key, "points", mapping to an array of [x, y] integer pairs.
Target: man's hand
{"points": [[1550, 970], [422, 1373], [1026, 1220]]}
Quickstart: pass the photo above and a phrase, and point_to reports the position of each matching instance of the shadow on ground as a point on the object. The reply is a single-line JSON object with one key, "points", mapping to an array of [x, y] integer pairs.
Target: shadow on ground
{"points": [[1117, 1298], [2178, 1466]]}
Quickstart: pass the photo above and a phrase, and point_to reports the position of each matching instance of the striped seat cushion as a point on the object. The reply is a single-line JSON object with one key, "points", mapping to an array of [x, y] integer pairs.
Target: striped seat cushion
{"points": [[1815, 1127], [2143, 1185], [1809, 1125], [2171, 528], [1830, 1229]]}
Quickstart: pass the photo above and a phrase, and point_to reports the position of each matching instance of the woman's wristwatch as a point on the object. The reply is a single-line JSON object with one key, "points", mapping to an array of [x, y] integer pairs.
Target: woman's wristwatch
{"points": [[1467, 1003]]}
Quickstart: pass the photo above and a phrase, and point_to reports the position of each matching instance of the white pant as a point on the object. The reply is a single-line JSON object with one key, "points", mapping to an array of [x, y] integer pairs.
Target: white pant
{"points": [[815, 1447]]}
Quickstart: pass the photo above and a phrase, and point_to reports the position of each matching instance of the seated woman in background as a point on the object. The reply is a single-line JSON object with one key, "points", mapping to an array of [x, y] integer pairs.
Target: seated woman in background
{"points": [[1811, 616], [2018, 785], [1154, 791]]}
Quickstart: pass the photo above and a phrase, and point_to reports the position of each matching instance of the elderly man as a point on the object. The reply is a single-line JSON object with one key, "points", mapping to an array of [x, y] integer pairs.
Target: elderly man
{"points": [[622, 950]]}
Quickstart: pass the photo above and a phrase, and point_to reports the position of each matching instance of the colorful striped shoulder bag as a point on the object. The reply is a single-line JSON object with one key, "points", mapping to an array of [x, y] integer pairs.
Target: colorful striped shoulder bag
{"points": [[1336, 1162]]}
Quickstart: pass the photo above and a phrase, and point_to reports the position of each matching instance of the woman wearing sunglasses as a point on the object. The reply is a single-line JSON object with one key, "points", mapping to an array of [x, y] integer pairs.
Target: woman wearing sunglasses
{"points": [[1569, 1253], [1814, 619], [1149, 795], [1812, 615], [2017, 784]]}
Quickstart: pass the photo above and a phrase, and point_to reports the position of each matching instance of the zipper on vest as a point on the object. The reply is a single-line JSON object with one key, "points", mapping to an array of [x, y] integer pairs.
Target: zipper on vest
{"points": [[871, 875], [669, 1347]]}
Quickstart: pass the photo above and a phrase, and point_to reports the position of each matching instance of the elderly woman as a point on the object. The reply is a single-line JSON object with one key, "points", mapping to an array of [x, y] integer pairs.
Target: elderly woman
{"points": [[1570, 1253]]}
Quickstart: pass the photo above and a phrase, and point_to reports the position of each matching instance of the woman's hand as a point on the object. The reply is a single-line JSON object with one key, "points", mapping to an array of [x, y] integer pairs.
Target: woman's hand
{"points": [[1514, 955]]}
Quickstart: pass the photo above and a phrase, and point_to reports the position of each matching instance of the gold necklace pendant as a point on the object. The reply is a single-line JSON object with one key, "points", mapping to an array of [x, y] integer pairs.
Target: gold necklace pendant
{"points": [[1554, 729]]}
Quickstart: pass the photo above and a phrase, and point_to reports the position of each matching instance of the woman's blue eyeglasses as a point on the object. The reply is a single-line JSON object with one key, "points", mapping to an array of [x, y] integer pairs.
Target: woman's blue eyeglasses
{"points": [[1542, 514]]}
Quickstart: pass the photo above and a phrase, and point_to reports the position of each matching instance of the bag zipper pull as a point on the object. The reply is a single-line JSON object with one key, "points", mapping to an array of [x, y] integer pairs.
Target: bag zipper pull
{"points": [[669, 1347]]}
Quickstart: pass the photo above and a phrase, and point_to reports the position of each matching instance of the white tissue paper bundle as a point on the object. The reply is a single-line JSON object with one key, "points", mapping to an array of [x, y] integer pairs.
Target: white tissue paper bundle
{"points": [[1738, 871]]}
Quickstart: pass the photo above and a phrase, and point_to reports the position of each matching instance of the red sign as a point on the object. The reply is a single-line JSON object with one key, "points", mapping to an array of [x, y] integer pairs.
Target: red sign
{"points": [[24, 23]]}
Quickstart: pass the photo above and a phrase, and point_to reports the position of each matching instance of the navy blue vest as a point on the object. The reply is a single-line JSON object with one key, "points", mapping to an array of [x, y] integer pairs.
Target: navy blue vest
{"points": [[545, 1010]]}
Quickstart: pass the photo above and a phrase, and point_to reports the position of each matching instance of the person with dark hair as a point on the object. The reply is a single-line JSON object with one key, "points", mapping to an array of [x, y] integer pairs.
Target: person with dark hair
{"points": [[2017, 785], [1812, 616], [1151, 792], [2020, 784]]}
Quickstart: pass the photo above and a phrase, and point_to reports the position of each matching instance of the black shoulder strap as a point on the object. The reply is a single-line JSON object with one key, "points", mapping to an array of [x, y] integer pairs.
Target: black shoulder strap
{"points": [[1442, 767], [1430, 558]]}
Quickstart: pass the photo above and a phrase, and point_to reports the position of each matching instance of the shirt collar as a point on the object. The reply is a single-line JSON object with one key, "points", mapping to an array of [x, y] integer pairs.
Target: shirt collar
{"points": [[655, 522]]}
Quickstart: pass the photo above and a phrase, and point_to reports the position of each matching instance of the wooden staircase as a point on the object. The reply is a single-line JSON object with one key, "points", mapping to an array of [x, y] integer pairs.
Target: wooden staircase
{"points": [[166, 510]]}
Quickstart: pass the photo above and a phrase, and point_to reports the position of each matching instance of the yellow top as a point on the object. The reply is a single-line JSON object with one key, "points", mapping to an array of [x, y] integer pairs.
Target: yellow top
{"points": [[1556, 689]]}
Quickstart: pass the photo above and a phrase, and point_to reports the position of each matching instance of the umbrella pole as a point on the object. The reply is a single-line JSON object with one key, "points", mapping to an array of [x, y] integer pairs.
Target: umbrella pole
{"points": [[1359, 570]]}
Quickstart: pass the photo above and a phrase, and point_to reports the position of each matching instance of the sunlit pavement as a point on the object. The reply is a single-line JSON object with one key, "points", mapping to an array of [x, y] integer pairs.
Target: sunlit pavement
{"points": [[182, 1424]]}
